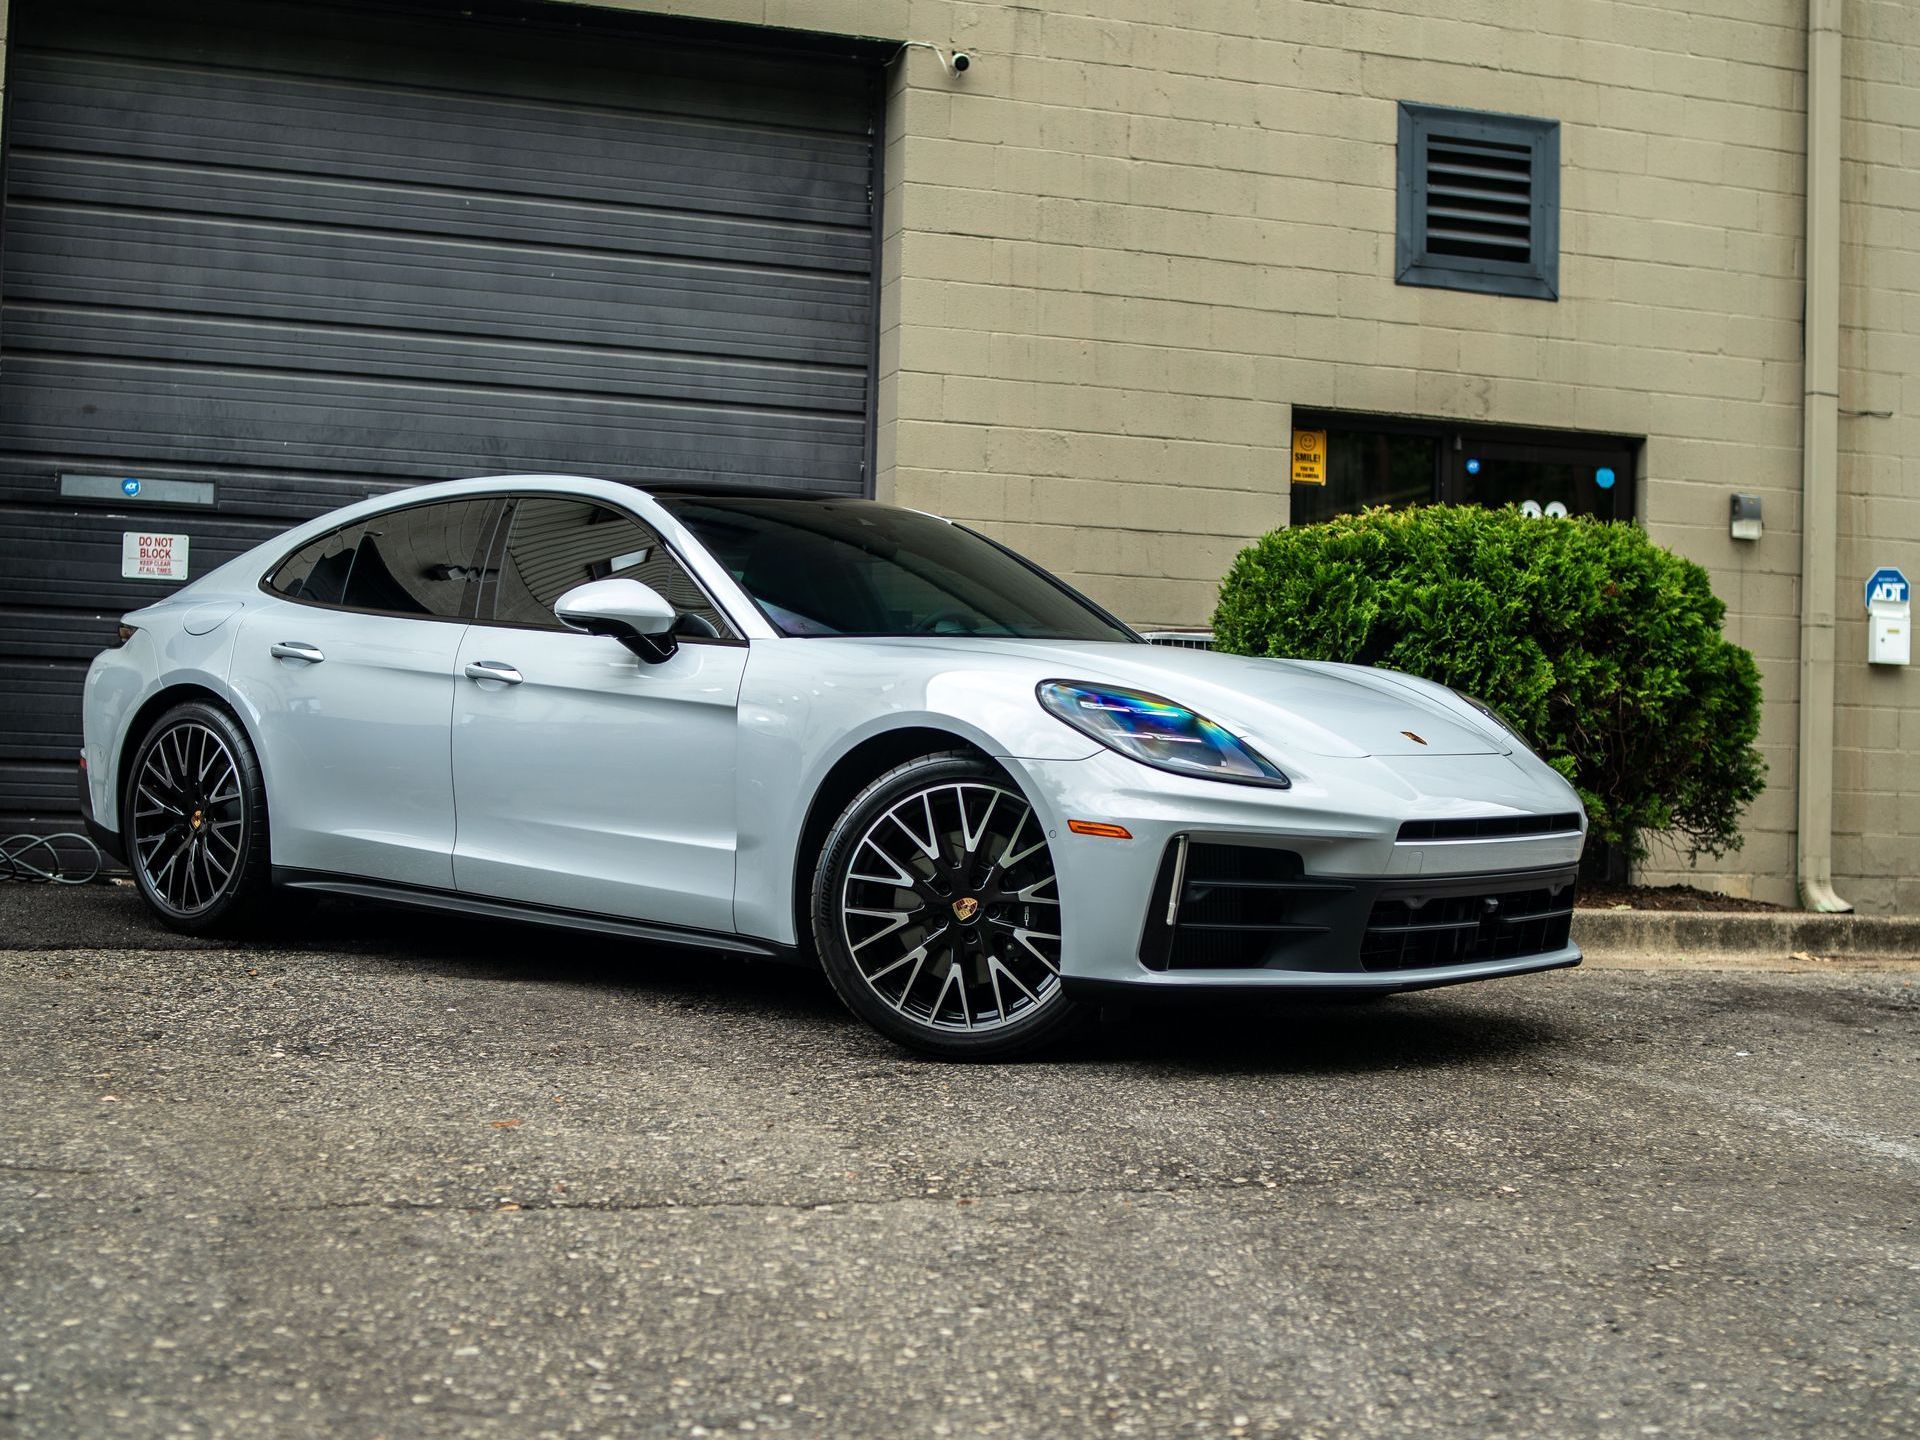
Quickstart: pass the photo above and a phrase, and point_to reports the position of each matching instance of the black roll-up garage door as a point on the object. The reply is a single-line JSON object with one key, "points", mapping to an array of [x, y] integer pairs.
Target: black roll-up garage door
{"points": [[296, 253]]}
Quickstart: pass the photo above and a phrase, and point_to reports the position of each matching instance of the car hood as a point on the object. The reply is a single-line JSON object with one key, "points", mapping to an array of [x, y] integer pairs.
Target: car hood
{"points": [[1342, 711]]}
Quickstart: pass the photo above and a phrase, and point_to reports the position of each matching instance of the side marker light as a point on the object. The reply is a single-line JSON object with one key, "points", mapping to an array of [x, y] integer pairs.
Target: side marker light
{"points": [[1099, 830]]}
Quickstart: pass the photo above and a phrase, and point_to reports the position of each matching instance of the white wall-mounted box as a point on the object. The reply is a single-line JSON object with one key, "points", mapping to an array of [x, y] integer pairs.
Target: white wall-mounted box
{"points": [[1889, 632]]}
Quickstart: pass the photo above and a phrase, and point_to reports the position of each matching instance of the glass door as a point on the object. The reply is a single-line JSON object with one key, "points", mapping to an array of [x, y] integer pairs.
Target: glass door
{"points": [[1548, 475]]}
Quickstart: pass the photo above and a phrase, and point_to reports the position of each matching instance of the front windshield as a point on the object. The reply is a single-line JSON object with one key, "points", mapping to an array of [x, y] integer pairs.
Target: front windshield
{"points": [[854, 567]]}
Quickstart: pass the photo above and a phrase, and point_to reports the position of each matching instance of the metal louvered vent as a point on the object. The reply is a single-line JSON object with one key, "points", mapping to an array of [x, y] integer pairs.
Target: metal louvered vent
{"points": [[1479, 198], [1479, 202]]}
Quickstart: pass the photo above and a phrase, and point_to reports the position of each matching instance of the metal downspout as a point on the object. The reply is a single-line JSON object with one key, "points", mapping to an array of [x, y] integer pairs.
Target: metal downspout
{"points": [[1820, 460]]}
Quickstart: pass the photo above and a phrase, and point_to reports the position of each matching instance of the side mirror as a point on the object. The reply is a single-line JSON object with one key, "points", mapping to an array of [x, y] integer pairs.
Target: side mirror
{"points": [[625, 610]]}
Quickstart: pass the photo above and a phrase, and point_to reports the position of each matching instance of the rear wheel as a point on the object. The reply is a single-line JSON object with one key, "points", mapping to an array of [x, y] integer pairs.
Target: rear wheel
{"points": [[936, 912], [196, 821]]}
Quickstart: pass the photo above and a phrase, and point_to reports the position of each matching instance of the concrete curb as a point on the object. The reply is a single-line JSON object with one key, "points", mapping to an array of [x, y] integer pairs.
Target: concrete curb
{"points": [[1628, 935]]}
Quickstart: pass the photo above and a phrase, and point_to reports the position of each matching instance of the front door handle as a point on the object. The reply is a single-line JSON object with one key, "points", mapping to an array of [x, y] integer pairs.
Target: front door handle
{"points": [[493, 670], [298, 650]]}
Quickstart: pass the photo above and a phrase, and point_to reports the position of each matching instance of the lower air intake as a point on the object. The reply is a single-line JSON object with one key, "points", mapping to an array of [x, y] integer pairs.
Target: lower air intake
{"points": [[1416, 933]]}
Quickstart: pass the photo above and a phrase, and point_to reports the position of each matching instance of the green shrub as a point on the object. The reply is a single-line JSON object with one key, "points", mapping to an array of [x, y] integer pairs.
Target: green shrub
{"points": [[1603, 649]]}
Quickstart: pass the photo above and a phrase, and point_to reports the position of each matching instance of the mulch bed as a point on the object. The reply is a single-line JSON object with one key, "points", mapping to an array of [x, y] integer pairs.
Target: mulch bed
{"points": [[1663, 897]]}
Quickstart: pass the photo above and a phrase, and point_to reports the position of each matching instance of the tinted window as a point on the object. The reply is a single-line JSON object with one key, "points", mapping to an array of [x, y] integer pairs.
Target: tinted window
{"points": [[554, 545], [853, 567], [1366, 468], [1391, 461], [423, 560]]}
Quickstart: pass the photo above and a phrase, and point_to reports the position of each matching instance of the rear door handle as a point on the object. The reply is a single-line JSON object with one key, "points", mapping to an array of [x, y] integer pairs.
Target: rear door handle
{"points": [[493, 670], [298, 650]]}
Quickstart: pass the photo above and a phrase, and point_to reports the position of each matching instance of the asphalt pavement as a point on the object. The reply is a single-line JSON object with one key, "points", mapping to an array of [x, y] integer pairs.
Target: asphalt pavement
{"points": [[384, 1176]]}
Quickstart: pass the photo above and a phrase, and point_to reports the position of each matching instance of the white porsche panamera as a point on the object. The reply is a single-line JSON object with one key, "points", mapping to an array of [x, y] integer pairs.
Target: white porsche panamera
{"points": [[794, 727]]}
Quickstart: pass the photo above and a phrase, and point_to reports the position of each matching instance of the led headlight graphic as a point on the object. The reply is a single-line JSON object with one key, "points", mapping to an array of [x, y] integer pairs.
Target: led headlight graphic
{"points": [[1157, 732]]}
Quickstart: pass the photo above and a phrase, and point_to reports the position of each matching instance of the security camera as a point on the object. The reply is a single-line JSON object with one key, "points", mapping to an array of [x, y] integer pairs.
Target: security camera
{"points": [[955, 63]]}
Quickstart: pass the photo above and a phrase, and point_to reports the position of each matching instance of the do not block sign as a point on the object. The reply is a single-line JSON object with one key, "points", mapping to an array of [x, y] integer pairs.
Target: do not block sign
{"points": [[152, 557]]}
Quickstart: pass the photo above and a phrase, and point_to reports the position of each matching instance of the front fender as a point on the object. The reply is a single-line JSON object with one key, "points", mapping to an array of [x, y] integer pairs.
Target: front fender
{"points": [[806, 705]]}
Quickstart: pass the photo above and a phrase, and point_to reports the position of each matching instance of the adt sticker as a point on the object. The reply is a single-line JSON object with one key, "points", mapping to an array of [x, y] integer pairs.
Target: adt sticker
{"points": [[1603, 477], [1887, 583], [152, 557], [130, 488]]}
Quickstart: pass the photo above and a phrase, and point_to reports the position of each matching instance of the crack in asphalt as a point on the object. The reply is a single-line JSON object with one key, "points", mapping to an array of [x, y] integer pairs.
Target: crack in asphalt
{"points": [[616, 1207], [972, 1197]]}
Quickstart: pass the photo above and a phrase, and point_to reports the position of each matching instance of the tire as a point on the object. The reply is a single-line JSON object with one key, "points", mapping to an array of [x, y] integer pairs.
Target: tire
{"points": [[931, 925], [195, 821]]}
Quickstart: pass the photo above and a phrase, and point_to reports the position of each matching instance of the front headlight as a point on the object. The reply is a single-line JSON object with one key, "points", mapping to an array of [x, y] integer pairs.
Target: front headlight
{"points": [[1157, 732]]}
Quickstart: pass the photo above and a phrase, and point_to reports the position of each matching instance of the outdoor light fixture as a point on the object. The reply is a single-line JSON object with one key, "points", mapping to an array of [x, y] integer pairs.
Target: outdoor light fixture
{"points": [[1746, 517]]}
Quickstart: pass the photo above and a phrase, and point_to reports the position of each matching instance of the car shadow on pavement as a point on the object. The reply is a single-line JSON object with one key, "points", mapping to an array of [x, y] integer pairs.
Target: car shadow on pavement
{"points": [[1300, 1036], [1281, 1035], [1225, 1036]]}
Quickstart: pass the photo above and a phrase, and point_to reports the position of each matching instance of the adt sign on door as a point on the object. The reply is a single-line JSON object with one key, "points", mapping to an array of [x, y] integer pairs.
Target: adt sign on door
{"points": [[152, 557]]}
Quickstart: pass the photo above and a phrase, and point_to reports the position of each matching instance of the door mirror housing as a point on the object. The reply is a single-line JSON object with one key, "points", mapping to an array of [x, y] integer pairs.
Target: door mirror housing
{"points": [[636, 615]]}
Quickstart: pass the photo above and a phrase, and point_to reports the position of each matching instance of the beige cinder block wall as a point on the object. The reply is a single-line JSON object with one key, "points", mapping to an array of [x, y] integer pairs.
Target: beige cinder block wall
{"points": [[1136, 233], [1139, 231]]}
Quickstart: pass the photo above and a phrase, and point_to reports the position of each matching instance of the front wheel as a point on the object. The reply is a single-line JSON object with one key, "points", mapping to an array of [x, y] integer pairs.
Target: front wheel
{"points": [[936, 912], [196, 821]]}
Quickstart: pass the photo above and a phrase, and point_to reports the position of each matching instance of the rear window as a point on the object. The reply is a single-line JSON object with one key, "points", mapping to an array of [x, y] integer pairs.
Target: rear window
{"points": [[422, 561]]}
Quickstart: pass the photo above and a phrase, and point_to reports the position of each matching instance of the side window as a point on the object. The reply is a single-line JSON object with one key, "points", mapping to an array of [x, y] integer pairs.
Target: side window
{"points": [[555, 544], [423, 561]]}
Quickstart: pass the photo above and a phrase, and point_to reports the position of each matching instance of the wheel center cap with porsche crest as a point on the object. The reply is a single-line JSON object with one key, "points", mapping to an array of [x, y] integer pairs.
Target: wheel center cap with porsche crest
{"points": [[965, 908]]}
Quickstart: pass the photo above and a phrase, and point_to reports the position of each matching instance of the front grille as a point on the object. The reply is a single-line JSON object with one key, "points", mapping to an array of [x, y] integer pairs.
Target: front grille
{"points": [[1416, 932], [1219, 906], [1490, 827]]}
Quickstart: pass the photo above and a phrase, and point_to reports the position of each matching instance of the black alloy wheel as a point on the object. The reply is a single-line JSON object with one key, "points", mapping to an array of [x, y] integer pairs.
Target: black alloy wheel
{"points": [[937, 912], [195, 816]]}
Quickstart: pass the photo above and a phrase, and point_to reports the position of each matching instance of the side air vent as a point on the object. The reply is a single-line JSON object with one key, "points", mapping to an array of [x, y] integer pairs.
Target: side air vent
{"points": [[1233, 907], [1179, 639]]}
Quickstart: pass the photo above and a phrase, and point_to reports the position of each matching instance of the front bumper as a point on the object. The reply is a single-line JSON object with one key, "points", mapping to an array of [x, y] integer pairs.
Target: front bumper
{"points": [[1199, 987], [1225, 916], [1229, 888]]}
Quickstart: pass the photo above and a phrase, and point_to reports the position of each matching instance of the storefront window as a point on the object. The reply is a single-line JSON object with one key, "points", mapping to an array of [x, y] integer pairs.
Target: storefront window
{"points": [[1366, 468], [1376, 460]]}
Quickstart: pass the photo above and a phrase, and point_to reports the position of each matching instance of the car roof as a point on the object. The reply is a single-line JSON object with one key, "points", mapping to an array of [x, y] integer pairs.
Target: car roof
{"points": [[741, 492]]}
